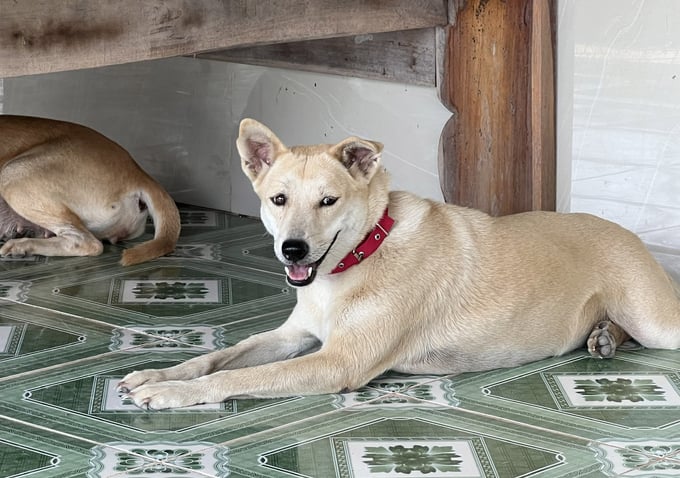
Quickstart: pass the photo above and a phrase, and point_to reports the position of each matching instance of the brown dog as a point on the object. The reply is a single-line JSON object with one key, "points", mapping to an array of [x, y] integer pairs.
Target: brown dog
{"points": [[388, 280], [67, 187]]}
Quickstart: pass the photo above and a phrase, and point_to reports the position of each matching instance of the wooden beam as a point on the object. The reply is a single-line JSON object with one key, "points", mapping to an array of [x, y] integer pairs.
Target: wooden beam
{"points": [[41, 36], [497, 152], [542, 128], [404, 56]]}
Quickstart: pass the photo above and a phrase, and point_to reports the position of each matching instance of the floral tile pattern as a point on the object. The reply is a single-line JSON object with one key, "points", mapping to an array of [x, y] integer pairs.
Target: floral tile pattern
{"points": [[639, 458], [71, 328], [158, 459]]}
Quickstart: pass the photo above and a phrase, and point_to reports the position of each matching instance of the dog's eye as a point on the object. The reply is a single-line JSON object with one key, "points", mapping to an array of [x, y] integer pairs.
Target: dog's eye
{"points": [[328, 201], [278, 200]]}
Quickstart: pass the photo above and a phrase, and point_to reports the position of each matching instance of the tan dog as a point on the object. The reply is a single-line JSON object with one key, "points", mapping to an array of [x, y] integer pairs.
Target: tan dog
{"points": [[69, 187], [449, 290]]}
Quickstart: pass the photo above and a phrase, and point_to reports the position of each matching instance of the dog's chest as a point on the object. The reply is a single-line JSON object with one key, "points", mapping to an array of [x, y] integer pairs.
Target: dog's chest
{"points": [[320, 309]]}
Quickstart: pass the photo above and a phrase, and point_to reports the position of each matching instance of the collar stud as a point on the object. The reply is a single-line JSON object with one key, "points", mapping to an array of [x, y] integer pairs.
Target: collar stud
{"points": [[368, 246]]}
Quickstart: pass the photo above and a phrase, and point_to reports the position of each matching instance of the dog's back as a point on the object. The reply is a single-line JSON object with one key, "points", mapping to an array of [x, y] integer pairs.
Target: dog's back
{"points": [[525, 286]]}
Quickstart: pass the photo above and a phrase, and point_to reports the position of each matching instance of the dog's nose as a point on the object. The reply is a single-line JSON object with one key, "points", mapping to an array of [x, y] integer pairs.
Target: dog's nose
{"points": [[294, 249]]}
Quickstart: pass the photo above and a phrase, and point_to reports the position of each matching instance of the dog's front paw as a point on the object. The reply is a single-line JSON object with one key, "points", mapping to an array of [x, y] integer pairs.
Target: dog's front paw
{"points": [[140, 377], [162, 395]]}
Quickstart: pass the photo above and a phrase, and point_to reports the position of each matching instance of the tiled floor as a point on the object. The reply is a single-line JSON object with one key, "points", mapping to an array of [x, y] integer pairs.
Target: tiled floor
{"points": [[74, 326]]}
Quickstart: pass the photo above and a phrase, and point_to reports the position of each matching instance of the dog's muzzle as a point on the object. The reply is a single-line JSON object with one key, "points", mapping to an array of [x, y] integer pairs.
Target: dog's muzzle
{"points": [[299, 274]]}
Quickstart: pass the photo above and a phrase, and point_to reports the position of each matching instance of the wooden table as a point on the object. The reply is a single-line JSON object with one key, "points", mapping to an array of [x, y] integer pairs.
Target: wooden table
{"points": [[492, 62]]}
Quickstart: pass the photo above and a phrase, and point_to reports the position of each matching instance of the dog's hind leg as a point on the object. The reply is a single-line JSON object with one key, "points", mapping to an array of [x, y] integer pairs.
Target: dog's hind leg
{"points": [[648, 308], [12, 225], [71, 237]]}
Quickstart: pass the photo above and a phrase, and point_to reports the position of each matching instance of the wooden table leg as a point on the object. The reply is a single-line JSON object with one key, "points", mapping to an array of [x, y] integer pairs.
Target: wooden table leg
{"points": [[497, 152]]}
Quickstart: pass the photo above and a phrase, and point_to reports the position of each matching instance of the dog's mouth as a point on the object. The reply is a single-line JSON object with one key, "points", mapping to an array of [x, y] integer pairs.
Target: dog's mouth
{"points": [[300, 275]]}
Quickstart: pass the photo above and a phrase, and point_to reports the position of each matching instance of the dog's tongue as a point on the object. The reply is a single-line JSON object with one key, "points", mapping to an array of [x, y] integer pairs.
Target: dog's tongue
{"points": [[298, 273]]}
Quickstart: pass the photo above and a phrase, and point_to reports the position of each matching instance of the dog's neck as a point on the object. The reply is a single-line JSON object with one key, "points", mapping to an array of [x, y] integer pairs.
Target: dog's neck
{"points": [[368, 246]]}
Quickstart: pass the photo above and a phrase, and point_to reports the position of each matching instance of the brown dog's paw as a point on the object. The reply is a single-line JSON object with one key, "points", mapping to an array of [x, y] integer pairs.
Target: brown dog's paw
{"points": [[602, 344], [16, 248]]}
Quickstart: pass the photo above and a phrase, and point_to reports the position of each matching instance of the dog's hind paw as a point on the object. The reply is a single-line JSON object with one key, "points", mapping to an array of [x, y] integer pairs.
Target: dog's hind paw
{"points": [[601, 343], [14, 248]]}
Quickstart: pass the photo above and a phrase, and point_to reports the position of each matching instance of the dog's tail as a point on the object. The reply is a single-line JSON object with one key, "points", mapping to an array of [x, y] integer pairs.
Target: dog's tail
{"points": [[166, 221]]}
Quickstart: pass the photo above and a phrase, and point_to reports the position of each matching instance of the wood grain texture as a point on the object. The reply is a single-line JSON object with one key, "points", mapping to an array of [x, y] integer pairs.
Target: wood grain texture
{"points": [[40, 36], [405, 56], [543, 105], [497, 152]]}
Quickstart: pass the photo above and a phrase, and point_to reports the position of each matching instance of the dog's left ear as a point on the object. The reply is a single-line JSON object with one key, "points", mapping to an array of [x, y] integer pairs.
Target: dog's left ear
{"points": [[258, 147], [360, 156]]}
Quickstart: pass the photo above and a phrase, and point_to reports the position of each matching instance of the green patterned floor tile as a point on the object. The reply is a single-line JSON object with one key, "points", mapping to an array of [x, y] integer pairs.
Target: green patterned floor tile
{"points": [[645, 457], [249, 251], [208, 226], [39, 453], [407, 391], [365, 442], [34, 264], [36, 452], [194, 337], [82, 401], [198, 220], [257, 252], [567, 416], [32, 339], [668, 356], [158, 459], [214, 236], [56, 266], [635, 394], [163, 291]]}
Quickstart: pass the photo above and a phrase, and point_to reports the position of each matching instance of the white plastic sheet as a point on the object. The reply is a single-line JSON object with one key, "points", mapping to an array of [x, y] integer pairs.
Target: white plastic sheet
{"points": [[626, 112]]}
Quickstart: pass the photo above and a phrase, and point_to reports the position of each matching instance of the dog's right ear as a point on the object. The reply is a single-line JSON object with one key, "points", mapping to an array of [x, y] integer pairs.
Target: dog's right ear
{"points": [[258, 147]]}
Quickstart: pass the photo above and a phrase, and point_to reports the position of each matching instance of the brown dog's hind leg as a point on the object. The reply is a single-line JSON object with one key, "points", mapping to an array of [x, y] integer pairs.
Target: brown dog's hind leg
{"points": [[71, 237], [604, 339]]}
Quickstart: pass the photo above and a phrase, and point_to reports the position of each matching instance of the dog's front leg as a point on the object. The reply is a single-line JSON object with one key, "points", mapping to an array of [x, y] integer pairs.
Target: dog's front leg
{"points": [[329, 370], [282, 343]]}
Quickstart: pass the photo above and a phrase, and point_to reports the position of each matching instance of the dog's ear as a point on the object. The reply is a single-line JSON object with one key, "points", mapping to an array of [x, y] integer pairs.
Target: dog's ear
{"points": [[360, 156], [258, 147]]}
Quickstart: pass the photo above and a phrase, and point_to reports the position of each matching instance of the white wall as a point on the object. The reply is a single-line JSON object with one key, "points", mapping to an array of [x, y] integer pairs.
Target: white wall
{"points": [[170, 115], [622, 83], [310, 108], [179, 119]]}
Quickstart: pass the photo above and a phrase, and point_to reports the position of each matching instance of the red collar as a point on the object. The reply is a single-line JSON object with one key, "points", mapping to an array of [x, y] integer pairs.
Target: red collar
{"points": [[368, 246]]}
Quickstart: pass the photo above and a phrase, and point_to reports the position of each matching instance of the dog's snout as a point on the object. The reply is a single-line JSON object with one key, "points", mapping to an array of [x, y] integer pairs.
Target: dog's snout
{"points": [[294, 249]]}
